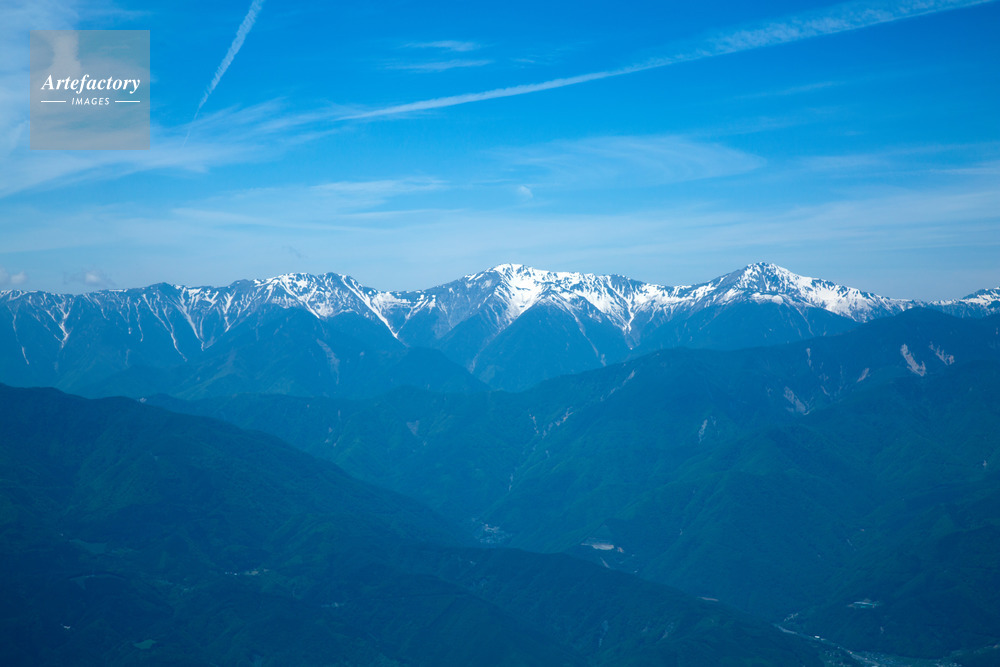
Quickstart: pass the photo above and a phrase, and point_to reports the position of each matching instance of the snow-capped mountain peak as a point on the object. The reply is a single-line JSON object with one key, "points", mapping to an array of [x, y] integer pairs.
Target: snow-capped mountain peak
{"points": [[521, 287], [763, 282]]}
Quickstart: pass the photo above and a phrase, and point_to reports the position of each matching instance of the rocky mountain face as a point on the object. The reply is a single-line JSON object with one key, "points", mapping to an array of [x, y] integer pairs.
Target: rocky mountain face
{"points": [[509, 327]]}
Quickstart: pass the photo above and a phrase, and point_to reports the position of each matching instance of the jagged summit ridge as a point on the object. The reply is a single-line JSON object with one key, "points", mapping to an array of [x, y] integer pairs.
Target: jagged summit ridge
{"points": [[615, 297], [763, 282], [195, 317], [620, 299], [510, 326]]}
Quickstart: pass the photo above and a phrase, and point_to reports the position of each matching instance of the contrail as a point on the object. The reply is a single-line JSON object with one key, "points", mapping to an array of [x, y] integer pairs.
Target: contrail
{"points": [[845, 17], [234, 48]]}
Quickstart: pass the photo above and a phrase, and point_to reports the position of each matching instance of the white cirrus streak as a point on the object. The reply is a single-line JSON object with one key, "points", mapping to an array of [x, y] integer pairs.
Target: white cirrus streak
{"points": [[234, 48], [844, 17]]}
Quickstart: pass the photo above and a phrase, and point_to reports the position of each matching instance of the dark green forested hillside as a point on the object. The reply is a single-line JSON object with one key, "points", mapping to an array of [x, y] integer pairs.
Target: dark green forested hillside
{"points": [[131, 535], [790, 481]]}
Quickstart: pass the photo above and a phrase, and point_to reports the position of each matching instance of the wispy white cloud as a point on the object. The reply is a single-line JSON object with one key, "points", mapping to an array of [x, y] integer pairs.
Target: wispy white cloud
{"points": [[8, 279], [441, 65], [382, 189], [234, 48], [447, 45], [844, 164], [336, 205], [225, 137], [793, 90], [840, 18], [837, 19], [384, 231], [454, 100], [19, 18], [443, 49], [931, 160], [629, 161], [91, 279]]}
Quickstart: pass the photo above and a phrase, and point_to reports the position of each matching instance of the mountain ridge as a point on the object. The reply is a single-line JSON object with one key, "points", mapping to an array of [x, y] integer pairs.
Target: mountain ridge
{"points": [[494, 323], [524, 285]]}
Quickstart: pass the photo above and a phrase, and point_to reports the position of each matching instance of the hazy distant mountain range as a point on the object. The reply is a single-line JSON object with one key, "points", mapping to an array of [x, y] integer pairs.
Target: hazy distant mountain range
{"points": [[509, 327]]}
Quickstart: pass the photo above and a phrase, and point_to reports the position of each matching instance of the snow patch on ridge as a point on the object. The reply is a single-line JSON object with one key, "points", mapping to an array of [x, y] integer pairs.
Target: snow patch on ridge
{"points": [[948, 359], [796, 405], [919, 369]]}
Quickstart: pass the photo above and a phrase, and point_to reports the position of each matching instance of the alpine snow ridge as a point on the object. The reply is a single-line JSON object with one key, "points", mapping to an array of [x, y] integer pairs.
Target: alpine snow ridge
{"points": [[510, 326]]}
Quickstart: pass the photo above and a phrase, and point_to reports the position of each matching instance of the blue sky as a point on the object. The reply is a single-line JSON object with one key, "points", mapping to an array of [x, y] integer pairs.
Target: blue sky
{"points": [[409, 143]]}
